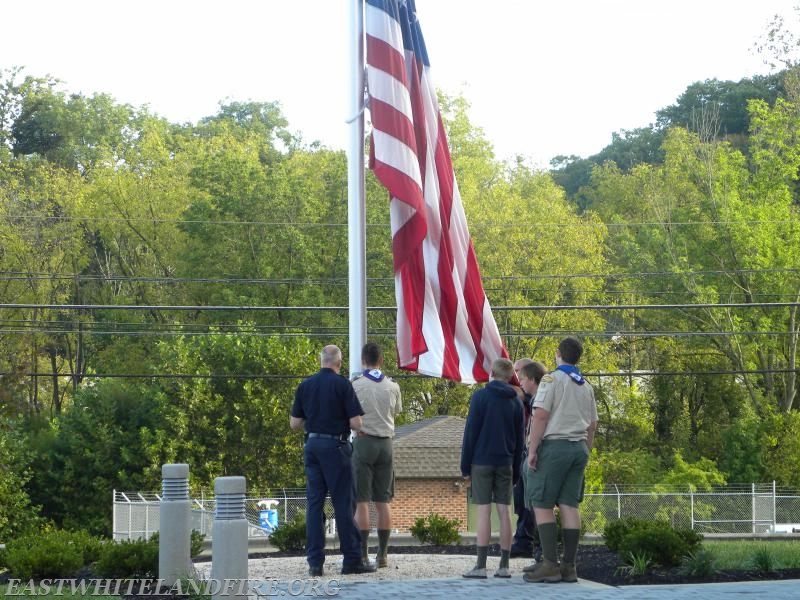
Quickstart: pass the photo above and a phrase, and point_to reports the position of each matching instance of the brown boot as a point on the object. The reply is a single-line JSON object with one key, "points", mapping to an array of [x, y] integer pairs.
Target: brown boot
{"points": [[545, 571], [568, 573]]}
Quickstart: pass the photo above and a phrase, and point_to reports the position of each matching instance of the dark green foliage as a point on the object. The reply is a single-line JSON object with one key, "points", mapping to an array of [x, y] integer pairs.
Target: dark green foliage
{"points": [[99, 445], [129, 558], [17, 515], [616, 531], [51, 554], [136, 558], [437, 530], [195, 543], [725, 100], [291, 535], [656, 539]]}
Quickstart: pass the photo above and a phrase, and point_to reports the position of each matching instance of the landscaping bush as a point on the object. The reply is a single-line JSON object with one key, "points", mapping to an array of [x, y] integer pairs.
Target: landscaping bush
{"points": [[437, 530], [128, 559], [136, 558], [616, 530], [656, 539], [291, 535], [51, 554]]}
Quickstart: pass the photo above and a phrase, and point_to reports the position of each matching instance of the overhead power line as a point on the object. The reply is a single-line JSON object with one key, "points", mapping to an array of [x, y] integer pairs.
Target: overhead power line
{"points": [[540, 307], [34, 276], [328, 225], [272, 376]]}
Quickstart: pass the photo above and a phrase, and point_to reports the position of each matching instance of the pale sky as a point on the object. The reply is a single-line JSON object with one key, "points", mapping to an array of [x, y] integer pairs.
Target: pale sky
{"points": [[543, 77]]}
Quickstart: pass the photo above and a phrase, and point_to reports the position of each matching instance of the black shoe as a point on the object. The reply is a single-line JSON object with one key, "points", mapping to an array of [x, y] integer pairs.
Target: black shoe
{"points": [[315, 571], [358, 568], [517, 552]]}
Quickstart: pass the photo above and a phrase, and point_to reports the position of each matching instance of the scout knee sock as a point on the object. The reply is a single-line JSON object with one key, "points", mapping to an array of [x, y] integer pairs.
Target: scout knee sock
{"points": [[365, 545], [504, 556], [548, 535], [383, 541], [571, 538], [482, 552]]}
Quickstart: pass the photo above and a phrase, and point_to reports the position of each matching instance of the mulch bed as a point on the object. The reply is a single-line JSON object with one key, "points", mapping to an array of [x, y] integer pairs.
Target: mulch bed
{"points": [[597, 563]]}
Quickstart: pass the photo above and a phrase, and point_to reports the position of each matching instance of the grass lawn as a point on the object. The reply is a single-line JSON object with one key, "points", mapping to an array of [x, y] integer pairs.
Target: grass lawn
{"points": [[739, 554]]}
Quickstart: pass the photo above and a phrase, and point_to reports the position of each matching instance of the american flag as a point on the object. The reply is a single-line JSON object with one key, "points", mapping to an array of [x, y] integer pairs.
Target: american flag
{"points": [[445, 326]]}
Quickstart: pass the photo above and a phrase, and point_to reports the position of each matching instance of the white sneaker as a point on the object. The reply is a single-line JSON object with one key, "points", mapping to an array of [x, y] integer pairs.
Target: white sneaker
{"points": [[475, 573], [503, 572]]}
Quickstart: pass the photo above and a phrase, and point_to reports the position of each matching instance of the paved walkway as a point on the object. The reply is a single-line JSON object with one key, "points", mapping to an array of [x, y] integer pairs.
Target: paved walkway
{"points": [[516, 589]]}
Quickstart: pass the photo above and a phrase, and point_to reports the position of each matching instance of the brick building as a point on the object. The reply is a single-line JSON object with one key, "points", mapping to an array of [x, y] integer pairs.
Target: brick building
{"points": [[427, 458]]}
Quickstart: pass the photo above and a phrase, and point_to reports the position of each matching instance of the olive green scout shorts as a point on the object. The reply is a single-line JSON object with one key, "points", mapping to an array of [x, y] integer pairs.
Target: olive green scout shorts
{"points": [[558, 478], [491, 484], [374, 472]]}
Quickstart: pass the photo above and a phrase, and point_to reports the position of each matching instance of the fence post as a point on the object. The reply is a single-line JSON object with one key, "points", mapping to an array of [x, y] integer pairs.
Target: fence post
{"points": [[753, 507], [229, 541], [774, 507], [174, 539], [691, 504], [619, 502]]}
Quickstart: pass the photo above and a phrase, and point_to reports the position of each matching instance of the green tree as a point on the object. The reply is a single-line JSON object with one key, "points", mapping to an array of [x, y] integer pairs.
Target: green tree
{"points": [[98, 445], [17, 515]]}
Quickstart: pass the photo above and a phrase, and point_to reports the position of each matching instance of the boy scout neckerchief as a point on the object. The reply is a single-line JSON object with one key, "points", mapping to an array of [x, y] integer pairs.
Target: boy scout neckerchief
{"points": [[374, 374], [573, 371]]}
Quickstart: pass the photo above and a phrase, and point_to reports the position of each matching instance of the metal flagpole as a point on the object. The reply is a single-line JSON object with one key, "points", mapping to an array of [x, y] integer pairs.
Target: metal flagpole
{"points": [[356, 205]]}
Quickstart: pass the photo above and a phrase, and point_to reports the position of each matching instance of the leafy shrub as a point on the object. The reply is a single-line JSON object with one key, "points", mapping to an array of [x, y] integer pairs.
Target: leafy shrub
{"points": [[691, 537], [700, 563], [437, 530], [136, 558], [659, 540], [51, 554], [195, 543], [128, 559], [291, 535], [615, 531]]}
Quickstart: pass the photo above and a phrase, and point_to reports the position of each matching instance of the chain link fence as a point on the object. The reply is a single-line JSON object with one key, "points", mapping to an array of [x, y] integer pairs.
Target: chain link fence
{"points": [[136, 515], [748, 509]]}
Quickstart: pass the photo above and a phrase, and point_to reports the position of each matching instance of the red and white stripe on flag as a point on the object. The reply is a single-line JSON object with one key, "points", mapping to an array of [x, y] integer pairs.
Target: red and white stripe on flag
{"points": [[445, 326]]}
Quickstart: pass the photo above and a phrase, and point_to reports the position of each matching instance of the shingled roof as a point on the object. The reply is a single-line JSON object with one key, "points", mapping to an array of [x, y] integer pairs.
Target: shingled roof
{"points": [[430, 448]]}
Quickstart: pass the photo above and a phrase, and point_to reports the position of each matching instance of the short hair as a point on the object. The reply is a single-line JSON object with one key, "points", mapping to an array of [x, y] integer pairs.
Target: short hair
{"points": [[533, 371], [570, 350], [521, 362], [371, 354], [502, 368], [330, 355]]}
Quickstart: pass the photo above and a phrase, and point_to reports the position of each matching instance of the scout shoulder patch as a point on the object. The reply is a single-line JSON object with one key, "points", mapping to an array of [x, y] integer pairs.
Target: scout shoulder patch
{"points": [[547, 379]]}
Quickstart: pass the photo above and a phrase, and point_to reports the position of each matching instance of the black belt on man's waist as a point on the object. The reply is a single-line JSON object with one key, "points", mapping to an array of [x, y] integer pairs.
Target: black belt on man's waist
{"points": [[328, 436]]}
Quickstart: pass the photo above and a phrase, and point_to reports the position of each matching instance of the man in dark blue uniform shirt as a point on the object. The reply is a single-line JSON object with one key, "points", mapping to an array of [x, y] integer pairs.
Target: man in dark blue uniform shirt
{"points": [[326, 405]]}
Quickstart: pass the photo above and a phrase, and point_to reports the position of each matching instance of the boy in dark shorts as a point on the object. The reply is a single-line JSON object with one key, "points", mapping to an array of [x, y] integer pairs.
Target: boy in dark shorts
{"points": [[491, 454]]}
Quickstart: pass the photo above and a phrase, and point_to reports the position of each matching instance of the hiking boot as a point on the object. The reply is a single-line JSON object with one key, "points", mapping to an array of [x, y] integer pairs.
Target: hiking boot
{"points": [[359, 568], [503, 572], [568, 573], [475, 573], [544, 572], [382, 561], [530, 567]]}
